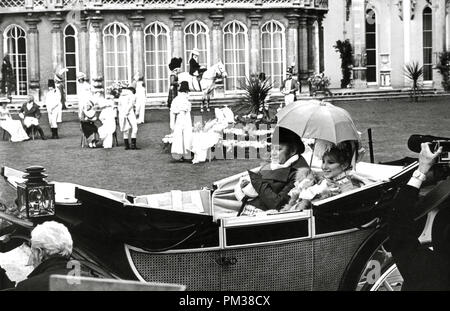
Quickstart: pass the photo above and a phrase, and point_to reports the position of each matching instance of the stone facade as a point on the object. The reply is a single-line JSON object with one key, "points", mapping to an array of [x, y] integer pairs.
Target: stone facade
{"points": [[45, 23], [399, 38]]}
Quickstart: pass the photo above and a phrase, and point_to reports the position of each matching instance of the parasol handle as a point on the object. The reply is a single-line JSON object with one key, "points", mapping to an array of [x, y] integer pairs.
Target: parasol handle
{"points": [[312, 153]]}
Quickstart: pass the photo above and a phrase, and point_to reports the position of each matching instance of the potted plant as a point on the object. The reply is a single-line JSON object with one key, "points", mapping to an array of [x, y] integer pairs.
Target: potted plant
{"points": [[319, 83], [255, 108]]}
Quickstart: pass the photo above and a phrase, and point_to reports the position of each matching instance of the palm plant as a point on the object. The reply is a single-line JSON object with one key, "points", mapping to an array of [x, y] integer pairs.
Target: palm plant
{"points": [[256, 92], [413, 71]]}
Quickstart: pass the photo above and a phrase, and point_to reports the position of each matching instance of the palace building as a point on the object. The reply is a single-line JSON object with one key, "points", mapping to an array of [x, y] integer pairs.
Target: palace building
{"points": [[115, 39], [386, 35], [112, 40]]}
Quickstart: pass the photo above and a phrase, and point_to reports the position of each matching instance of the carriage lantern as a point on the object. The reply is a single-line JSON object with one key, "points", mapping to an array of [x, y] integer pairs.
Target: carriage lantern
{"points": [[35, 195]]}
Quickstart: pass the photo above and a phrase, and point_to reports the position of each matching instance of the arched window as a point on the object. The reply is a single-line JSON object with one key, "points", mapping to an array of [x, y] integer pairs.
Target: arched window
{"points": [[272, 46], [371, 46], [156, 58], [427, 44], [235, 58], [71, 59], [116, 45], [16, 47], [196, 35]]}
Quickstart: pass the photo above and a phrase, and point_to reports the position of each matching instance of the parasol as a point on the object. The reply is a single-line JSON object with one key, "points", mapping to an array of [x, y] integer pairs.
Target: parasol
{"points": [[318, 120]]}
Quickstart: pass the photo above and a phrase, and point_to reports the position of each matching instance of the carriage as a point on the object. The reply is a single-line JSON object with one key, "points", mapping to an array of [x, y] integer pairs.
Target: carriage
{"points": [[195, 238]]}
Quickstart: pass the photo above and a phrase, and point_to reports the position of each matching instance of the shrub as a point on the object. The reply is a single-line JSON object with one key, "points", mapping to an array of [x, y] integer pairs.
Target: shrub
{"points": [[346, 52]]}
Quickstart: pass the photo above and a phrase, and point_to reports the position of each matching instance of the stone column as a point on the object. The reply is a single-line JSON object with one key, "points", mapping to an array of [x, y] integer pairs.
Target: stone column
{"points": [[217, 48], [57, 41], [178, 38], [303, 49], [138, 43], [95, 47], [33, 55], [406, 35], [1, 42], [83, 46], [439, 43], [217, 36], [359, 43], [312, 45], [255, 42], [292, 39], [321, 45]]}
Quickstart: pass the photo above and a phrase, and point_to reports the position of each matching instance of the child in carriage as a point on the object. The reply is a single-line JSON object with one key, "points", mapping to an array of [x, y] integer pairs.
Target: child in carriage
{"points": [[337, 177]]}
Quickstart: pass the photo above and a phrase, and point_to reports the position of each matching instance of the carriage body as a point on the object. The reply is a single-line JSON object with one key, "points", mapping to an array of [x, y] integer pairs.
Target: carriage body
{"points": [[325, 248]]}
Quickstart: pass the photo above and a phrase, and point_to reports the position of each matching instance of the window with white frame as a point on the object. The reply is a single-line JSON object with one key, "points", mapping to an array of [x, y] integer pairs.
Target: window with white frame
{"points": [[427, 44], [71, 59], [371, 46], [116, 45], [272, 47], [16, 47], [156, 58], [235, 54], [196, 35]]}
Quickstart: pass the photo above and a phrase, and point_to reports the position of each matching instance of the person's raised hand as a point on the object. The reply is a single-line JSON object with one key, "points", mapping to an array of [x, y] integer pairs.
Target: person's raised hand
{"points": [[427, 158]]}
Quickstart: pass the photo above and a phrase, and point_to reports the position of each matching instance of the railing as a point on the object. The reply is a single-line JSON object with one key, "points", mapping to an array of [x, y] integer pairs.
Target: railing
{"points": [[49, 5]]}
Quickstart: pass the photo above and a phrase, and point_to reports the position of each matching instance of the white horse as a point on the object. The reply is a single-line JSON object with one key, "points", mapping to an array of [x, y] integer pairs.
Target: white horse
{"points": [[207, 82]]}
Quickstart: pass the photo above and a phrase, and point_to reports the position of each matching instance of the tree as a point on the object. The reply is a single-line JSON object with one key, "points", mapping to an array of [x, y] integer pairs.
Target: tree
{"points": [[8, 79], [345, 50]]}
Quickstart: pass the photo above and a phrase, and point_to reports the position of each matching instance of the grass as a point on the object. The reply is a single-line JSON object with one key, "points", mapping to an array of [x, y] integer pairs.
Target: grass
{"points": [[152, 170]]}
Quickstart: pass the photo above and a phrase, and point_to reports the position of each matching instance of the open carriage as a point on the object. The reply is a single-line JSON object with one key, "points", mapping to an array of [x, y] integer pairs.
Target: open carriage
{"points": [[195, 238]]}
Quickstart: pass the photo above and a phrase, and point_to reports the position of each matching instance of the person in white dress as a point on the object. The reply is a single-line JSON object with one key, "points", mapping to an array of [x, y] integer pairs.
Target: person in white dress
{"points": [[84, 93], [108, 118], [141, 98], [181, 123], [13, 127], [127, 118], [54, 107]]}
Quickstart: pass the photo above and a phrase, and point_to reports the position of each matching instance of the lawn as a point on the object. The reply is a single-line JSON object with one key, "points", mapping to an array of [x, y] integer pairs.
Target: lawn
{"points": [[152, 170]]}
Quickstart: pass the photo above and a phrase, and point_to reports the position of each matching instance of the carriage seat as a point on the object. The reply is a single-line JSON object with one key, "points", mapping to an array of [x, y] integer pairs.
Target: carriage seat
{"points": [[225, 204]]}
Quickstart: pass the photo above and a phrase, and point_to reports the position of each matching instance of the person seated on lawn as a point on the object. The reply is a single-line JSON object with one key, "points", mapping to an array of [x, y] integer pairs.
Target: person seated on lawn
{"points": [[13, 127], [268, 190], [337, 177], [88, 117], [30, 114]]}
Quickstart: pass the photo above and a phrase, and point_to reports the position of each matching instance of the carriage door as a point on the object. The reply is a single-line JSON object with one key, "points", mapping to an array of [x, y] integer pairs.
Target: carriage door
{"points": [[267, 255]]}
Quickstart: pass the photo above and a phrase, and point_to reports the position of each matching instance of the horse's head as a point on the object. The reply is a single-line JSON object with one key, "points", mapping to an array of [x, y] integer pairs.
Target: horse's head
{"points": [[220, 70]]}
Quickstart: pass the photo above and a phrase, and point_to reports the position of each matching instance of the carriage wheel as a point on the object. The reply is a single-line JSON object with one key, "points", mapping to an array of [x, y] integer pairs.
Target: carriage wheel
{"points": [[380, 273]]}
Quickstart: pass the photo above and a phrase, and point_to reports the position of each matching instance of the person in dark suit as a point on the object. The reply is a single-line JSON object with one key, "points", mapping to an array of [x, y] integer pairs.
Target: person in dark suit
{"points": [[421, 268], [195, 69], [269, 188], [51, 247]]}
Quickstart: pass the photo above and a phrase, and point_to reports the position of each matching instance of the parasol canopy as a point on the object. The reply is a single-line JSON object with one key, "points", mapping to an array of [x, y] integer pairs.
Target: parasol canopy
{"points": [[318, 120]]}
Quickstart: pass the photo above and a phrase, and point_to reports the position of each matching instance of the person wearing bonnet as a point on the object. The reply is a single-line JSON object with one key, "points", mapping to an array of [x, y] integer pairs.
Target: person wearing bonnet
{"points": [[174, 67]]}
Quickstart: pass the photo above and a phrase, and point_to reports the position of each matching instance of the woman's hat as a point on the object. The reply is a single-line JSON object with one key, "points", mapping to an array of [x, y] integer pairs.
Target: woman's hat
{"points": [[184, 86], [195, 51], [51, 83], [290, 70], [175, 63]]}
